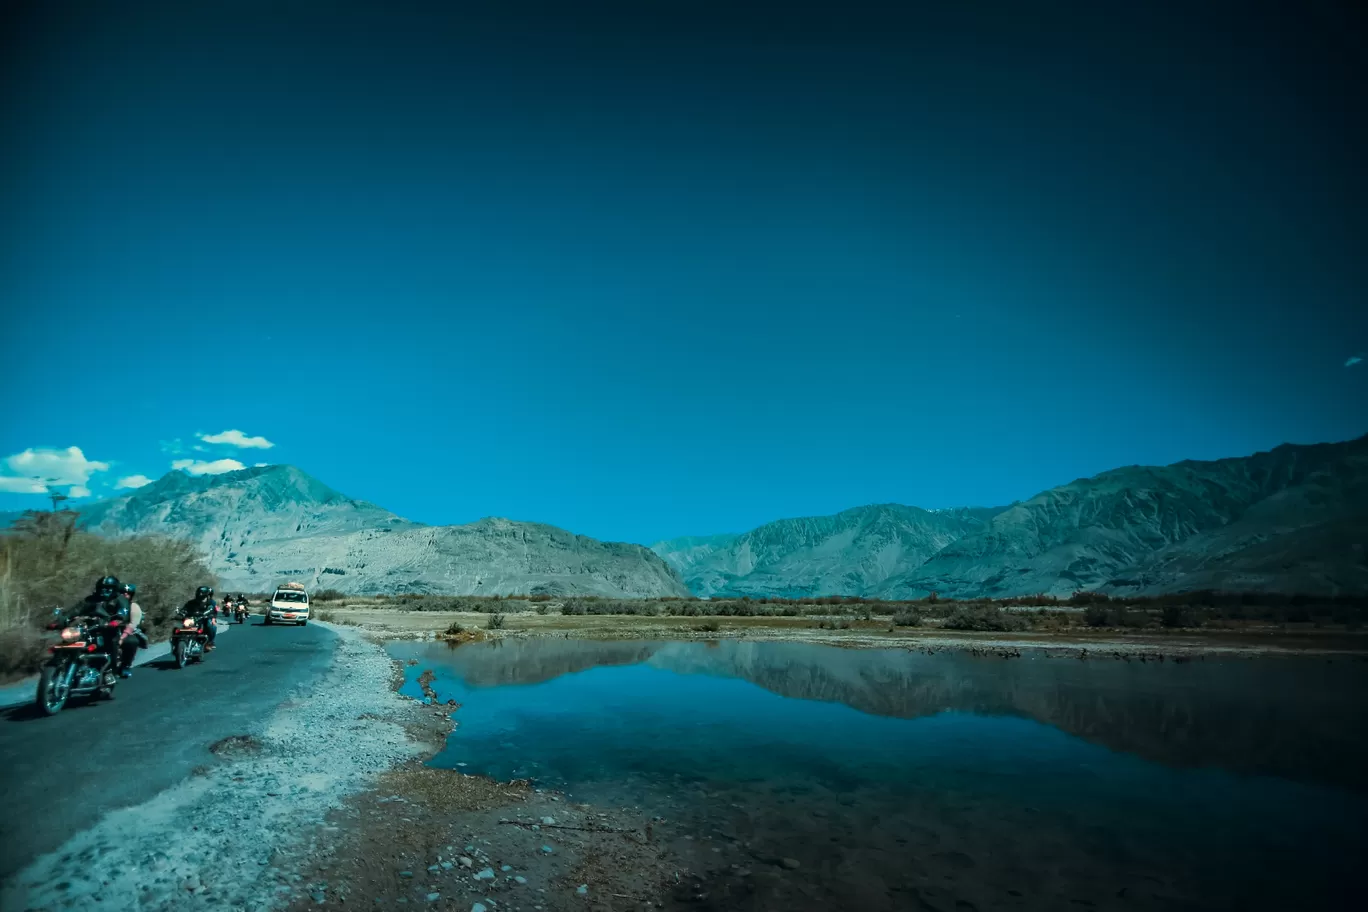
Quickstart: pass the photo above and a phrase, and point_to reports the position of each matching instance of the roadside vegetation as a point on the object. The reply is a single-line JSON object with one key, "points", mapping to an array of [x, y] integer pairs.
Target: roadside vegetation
{"points": [[47, 562], [1082, 610]]}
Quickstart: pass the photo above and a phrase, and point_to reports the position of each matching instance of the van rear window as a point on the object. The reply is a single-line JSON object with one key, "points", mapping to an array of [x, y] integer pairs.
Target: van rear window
{"points": [[286, 596]]}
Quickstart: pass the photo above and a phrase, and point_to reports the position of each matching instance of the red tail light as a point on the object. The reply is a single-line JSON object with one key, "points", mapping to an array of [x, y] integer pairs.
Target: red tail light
{"points": [[90, 648]]}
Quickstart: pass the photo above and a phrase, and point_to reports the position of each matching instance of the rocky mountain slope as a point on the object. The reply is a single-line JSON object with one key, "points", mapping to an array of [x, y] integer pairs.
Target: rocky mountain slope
{"points": [[263, 525], [1248, 522], [852, 552], [1294, 519]]}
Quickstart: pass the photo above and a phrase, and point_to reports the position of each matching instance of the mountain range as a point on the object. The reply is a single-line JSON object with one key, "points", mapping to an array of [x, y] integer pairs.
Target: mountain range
{"points": [[260, 526], [1293, 519]]}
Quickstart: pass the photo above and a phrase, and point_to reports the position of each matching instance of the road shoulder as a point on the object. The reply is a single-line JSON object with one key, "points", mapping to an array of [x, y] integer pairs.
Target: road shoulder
{"points": [[239, 833]]}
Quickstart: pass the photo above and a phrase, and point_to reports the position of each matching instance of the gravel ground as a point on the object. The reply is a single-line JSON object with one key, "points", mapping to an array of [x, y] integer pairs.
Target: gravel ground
{"points": [[236, 835]]}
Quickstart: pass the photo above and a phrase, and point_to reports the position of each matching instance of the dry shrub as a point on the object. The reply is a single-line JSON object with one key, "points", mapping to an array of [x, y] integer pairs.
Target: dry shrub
{"points": [[46, 561]]}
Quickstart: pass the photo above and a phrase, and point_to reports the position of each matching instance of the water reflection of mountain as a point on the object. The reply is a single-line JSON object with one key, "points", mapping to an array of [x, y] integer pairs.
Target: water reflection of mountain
{"points": [[1297, 718], [519, 661]]}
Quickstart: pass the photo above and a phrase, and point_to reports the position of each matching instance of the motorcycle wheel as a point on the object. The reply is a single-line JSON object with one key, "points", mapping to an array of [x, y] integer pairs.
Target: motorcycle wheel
{"points": [[267, 622], [54, 687], [178, 651]]}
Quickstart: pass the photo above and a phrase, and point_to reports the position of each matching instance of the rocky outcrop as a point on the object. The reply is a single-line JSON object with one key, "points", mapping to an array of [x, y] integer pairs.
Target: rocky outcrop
{"points": [[260, 526]]}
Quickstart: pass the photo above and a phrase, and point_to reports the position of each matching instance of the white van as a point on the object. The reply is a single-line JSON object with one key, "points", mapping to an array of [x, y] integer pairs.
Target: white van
{"points": [[290, 603]]}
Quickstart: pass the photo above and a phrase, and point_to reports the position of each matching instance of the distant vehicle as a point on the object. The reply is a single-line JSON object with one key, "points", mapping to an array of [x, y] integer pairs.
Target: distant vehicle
{"points": [[289, 604]]}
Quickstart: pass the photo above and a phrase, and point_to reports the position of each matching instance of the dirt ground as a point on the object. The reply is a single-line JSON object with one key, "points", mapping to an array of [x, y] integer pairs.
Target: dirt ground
{"points": [[873, 634]]}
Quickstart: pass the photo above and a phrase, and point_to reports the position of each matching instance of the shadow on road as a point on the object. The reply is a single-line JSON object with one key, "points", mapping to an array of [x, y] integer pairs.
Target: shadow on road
{"points": [[29, 712], [24, 712]]}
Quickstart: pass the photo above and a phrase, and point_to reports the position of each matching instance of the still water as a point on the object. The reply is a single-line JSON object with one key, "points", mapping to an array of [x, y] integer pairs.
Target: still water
{"points": [[905, 780]]}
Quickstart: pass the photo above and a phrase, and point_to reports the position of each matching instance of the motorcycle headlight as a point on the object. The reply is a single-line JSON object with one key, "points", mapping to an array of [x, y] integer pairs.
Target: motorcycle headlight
{"points": [[70, 635], [188, 622]]}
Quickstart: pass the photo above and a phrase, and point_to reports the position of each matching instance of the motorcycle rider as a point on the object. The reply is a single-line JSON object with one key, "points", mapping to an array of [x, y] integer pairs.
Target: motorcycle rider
{"points": [[203, 608], [133, 636], [106, 603]]}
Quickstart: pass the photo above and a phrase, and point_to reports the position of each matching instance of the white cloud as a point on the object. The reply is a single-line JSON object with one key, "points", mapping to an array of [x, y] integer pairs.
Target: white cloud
{"points": [[237, 439], [200, 467], [39, 470], [261, 465], [172, 447], [12, 485], [132, 481], [55, 467], [1353, 359]]}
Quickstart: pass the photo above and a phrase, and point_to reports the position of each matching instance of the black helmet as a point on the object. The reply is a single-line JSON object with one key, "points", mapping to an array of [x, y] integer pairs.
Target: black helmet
{"points": [[204, 592], [107, 587], [128, 589]]}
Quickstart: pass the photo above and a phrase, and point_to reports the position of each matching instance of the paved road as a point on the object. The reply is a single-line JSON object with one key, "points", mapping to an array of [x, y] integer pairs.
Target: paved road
{"points": [[60, 774]]}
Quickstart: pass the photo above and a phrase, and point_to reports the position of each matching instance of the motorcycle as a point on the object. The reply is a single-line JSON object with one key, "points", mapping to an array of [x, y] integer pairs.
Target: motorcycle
{"points": [[188, 639], [81, 664], [240, 613]]}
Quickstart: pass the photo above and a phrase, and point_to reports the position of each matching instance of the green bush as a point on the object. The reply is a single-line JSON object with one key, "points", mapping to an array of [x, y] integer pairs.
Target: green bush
{"points": [[1177, 615], [496, 622], [907, 619], [329, 595], [986, 618], [1097, 616]]}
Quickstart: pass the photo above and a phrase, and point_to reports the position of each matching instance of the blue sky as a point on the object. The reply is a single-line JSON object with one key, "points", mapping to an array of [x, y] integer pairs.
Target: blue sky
{"points": [[645, 274]]}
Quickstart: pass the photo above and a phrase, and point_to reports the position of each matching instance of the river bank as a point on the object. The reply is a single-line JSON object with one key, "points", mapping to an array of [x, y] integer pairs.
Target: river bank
{"points": [[748, 774], [428, 837], [875, 633]]}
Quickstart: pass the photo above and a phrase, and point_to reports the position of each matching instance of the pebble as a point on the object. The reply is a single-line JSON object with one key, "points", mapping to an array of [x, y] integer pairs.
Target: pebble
{"points": [[547, 849], [506, 868], [478, 907], [405, 873], [466, 862], [519, 879], [318, 896], [582, 889], [548, 821], [433, 897], [447, 865], [790, 863], [485, 874], [433, 869]]}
